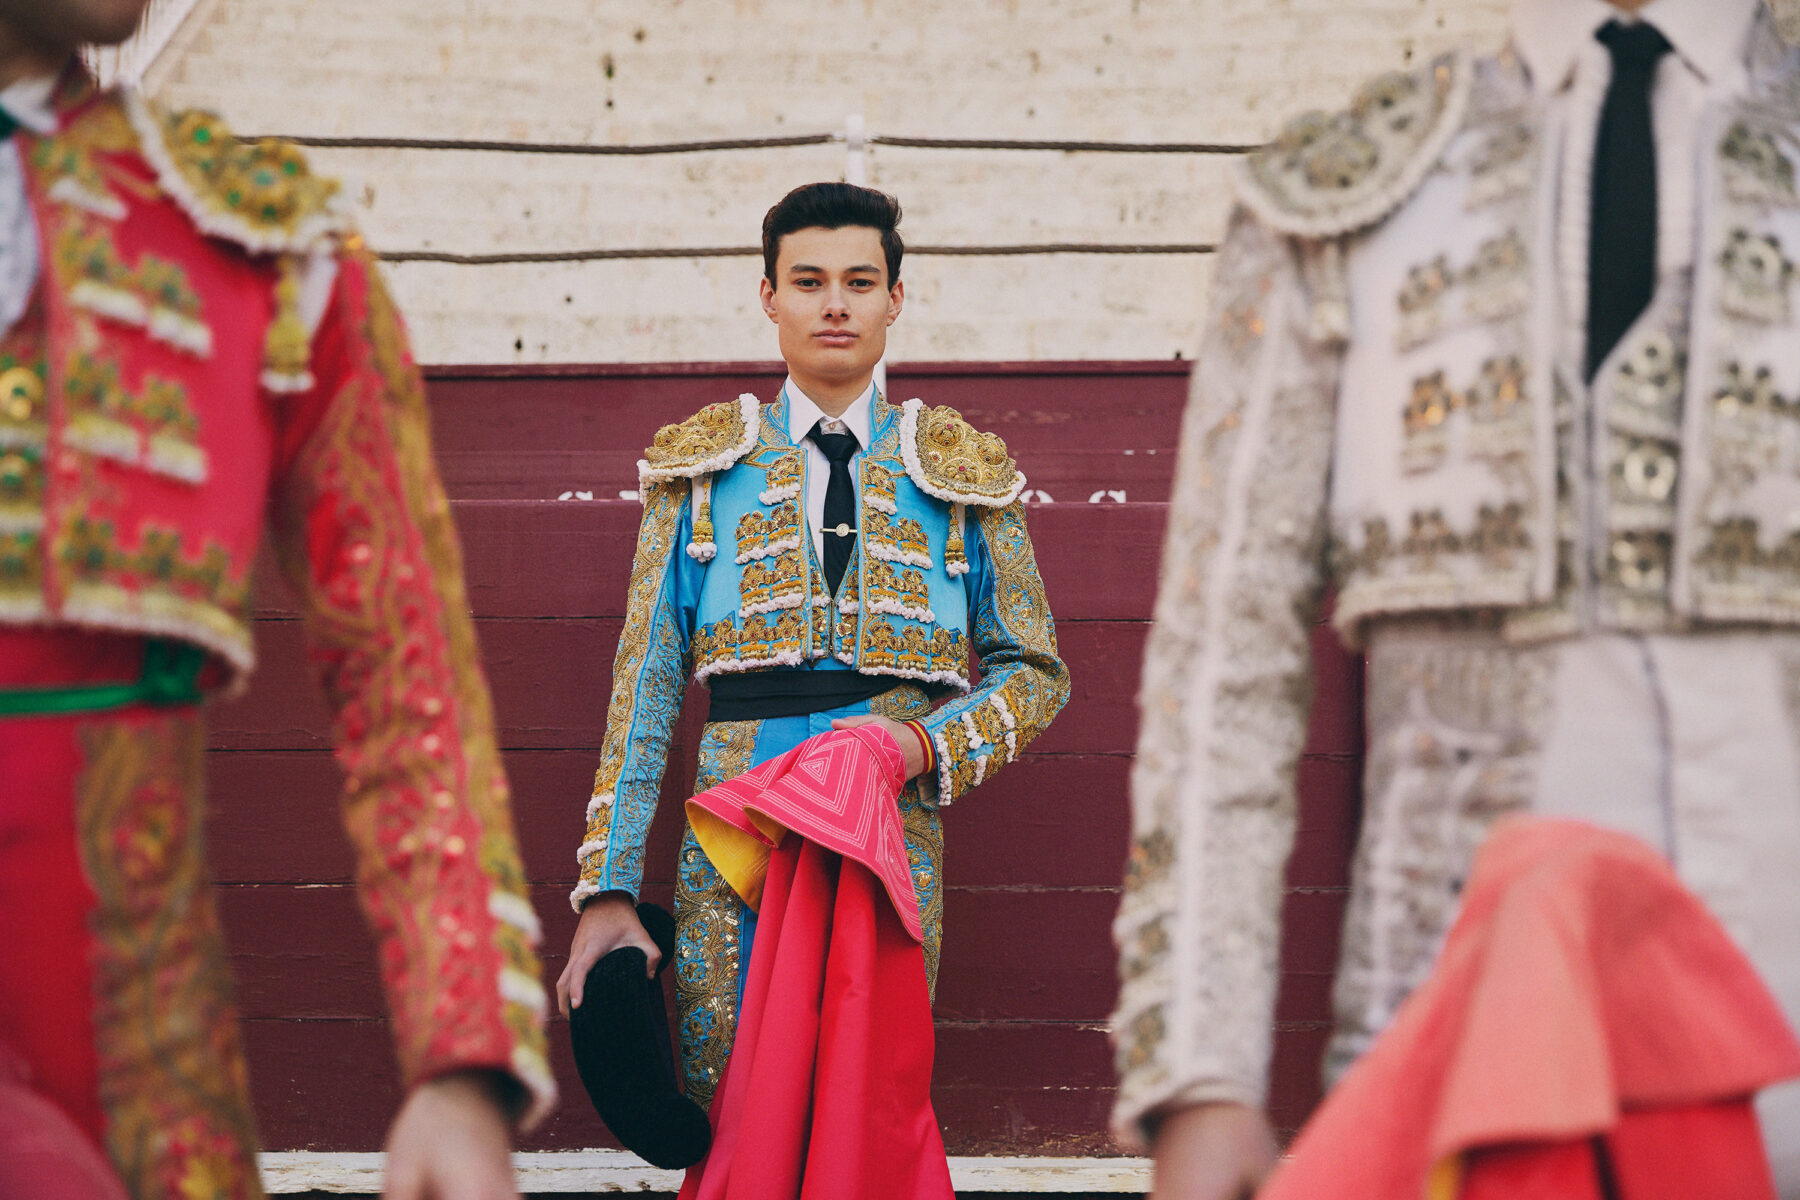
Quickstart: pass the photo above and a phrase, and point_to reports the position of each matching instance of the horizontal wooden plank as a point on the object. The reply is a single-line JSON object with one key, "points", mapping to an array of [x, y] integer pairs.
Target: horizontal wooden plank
{"points": [[551, 680], [546, 558], [1047, 821], [331, 1085], [535, 437], [1035, 955], [585, 1172], [301, 953], [1062, 474]]}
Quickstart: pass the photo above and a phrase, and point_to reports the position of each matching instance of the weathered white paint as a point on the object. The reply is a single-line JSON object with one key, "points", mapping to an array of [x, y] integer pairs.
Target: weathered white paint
{"points": [[594, 71], [288, 1172], [131, 60]]}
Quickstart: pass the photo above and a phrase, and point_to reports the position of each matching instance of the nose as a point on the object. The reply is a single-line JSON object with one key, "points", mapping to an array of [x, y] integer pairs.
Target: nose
{"points": [[837, 301]]}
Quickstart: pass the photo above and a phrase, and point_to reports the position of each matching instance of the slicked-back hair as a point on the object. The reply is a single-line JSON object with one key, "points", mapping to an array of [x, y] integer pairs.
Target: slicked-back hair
{"points": [[833, 206]]}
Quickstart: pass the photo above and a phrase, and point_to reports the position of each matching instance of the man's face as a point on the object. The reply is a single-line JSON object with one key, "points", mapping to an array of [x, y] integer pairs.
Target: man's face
{"points": [[831, 302], [60, 26]]}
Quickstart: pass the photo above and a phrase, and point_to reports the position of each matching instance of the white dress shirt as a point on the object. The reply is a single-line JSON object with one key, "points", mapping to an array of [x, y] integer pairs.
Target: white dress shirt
{"points": [[1570, 71], [29, 103], [803, 414]]}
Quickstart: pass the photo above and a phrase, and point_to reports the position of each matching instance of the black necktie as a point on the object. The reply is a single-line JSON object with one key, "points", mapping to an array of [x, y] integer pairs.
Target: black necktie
{"points": [[840, 501], [7, 124], [1622, 233]]}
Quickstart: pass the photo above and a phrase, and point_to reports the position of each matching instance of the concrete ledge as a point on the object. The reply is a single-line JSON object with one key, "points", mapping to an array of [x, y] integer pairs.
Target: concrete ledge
{"points": [[551, 1172]]}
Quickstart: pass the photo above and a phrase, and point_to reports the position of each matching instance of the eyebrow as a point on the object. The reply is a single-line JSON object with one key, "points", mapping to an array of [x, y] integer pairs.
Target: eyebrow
{"points": [[802, 268]]}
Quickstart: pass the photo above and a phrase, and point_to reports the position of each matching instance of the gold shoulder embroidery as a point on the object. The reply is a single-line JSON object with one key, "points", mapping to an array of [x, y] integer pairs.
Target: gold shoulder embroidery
{"points": [[260, 194], [948, 458], [1329, 174], [710, 440]]}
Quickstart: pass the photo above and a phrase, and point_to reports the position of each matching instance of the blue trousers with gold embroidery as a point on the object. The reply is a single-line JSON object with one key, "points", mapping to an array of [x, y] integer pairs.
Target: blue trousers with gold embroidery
{"points": [[714, 931]]}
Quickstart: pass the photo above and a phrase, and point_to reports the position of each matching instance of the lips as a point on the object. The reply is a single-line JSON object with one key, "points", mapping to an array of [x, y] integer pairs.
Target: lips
{"points": [[835, 337]]}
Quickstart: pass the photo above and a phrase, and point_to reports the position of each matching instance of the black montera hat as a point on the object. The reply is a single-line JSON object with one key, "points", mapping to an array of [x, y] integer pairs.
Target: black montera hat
{"points": [[622, 1050]]}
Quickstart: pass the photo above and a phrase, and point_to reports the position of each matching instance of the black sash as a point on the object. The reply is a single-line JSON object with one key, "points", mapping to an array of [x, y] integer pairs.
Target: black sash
{"points": [[790, 692]]}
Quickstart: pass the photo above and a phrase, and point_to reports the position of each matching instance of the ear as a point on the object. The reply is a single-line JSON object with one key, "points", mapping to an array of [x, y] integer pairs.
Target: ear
{"points": [[896, 297], [767, 291]]}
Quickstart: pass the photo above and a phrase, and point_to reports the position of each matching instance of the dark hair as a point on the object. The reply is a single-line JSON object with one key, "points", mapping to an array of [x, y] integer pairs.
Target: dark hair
{"points": [[833, 206]]}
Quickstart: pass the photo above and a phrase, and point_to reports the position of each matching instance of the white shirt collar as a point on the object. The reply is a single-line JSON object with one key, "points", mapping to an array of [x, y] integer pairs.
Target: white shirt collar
{"points": [[29, 102], [1711, 36], [803, 414]]}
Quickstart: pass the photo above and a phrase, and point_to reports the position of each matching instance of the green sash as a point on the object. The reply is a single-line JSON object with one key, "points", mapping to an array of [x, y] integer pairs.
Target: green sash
{"points": [[171, 677]]}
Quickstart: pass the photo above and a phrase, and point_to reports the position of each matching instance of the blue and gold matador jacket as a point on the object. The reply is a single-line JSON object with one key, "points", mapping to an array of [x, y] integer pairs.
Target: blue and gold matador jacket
{"points": [[726, 579]]}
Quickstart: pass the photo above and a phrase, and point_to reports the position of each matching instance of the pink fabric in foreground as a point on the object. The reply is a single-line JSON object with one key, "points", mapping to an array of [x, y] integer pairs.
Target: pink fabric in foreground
{"points": [[43, 1154], [836, 790], [1583, 992]]}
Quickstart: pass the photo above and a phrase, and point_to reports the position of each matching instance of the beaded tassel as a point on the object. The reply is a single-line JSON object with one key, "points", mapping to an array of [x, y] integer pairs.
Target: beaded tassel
{"points": [[955, 561], [287, 348], [702, 547]]}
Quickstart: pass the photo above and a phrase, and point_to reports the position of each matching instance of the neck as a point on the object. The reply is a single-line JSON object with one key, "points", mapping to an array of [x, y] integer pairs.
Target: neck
{"points": [[24, 57], [1628, 6], [832, 396]]}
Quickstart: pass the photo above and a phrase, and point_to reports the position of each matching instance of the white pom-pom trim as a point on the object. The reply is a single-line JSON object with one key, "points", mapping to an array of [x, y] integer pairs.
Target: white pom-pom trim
{"points": [[68, 190], [756, 552], [777, 495], [945, 796], [287, 382], [908, 558], [515, 911], [999, 703], [794, 600], [787, 658], [974, 735], [702, 551], [954, 678], [523, 990], [898, 609], [583, 890], [530, 1067], [956, 567], [592, 846], [125, 307], [604, 800], [182, 332]]}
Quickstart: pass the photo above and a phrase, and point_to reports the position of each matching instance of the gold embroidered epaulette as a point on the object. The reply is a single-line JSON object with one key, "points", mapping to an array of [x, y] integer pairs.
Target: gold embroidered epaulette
{"points": [[948, 458], [1329, 174], [710, 440], [258, 193]]}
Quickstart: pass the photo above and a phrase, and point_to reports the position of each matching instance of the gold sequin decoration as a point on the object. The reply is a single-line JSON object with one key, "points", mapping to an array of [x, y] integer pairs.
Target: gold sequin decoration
{"points": [[955, 457], [709, 927], [706, 435]]}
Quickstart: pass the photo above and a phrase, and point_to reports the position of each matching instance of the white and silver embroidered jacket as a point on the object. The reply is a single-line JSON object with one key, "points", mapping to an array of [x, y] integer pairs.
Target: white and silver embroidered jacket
{"points": [[1381, 405]]}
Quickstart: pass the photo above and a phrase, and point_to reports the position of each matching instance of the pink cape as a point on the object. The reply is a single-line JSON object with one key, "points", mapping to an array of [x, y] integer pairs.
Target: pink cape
{"points": [[827, 1095], [1583, 997]]}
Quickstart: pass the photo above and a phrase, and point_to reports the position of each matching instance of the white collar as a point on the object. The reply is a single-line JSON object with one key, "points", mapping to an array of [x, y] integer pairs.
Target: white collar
{"points": [[1711, 36], [29, 103], [803, 414]]}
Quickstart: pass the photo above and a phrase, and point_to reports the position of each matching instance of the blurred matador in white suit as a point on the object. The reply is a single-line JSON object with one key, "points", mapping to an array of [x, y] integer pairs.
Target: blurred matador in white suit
{"points": [[1508, 353]]}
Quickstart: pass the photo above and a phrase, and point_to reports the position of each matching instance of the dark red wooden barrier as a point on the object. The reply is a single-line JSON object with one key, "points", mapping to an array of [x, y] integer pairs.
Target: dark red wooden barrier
{"points": [[1033, 859]]}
